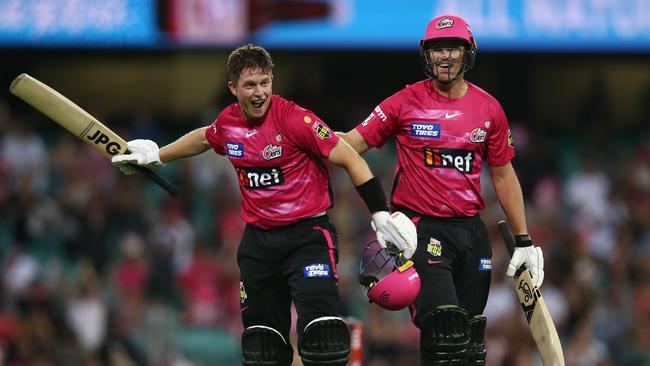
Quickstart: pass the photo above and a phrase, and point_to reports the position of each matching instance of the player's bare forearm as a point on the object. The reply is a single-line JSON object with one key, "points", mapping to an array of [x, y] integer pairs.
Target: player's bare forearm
{"points": [[190, 144], [345, 157], [354, 139], [508, 191]]}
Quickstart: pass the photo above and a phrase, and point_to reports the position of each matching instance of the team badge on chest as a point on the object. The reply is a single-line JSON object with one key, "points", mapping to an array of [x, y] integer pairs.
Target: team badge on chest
{"points": [[477, 135], [272, 151]]}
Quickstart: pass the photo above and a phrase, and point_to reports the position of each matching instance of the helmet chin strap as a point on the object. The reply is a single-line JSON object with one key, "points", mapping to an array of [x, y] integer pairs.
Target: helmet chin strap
{"points": [[435, 78]]}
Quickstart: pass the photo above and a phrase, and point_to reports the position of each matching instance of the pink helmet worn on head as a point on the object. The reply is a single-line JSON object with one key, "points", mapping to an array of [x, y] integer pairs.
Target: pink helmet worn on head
{"points": [[446, 27], [387, 279]]}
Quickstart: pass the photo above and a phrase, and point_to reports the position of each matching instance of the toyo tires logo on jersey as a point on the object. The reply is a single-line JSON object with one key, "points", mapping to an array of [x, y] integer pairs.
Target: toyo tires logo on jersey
{"points": [[235, 149], [425, 130], [461, 160], [316, 270], [259, 178]]}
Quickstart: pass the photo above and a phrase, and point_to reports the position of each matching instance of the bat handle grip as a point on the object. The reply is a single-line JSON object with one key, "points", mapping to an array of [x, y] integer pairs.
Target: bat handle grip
{"points": [[509, 240], [162, 182], [507, 236]]}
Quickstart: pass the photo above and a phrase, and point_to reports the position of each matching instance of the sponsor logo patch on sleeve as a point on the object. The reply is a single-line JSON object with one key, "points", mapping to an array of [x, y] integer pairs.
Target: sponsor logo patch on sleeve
{"points": [[511, 141], [321, 130], [368, 119], [380, 114], [316, 270]]}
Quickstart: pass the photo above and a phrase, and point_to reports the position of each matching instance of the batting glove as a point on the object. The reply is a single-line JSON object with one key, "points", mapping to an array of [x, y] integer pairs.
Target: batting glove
{"points": [[396, 229], [530, 255], [141, 152]]}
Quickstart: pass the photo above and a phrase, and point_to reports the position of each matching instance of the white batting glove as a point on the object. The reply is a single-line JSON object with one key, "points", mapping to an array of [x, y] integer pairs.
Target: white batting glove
{"points": [[397, 229], [529, 255], [142, 152]]}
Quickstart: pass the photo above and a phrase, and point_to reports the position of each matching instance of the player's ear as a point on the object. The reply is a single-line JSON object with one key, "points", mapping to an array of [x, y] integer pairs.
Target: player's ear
{"points": [[232, 87]]}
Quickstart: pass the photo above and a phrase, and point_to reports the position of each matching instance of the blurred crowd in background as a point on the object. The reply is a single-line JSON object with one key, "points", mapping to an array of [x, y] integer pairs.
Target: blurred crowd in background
{"points": [[104, 269]]}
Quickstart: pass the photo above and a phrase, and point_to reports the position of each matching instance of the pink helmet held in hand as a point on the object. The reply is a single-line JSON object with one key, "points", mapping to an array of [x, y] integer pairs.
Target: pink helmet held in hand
{"points": [[387, 279], [446, 27]]}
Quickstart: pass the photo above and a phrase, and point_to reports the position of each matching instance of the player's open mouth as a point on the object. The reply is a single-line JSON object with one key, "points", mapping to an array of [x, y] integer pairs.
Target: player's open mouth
{"points": [[257, 103]]}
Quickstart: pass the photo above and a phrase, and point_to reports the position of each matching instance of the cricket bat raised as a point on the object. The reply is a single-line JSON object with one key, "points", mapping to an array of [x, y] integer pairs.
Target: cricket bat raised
{"points": [[541, 325], [79, 122]]}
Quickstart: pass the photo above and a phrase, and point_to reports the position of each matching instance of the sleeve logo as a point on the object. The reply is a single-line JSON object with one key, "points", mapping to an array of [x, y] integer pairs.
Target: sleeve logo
{"points": [[368, 119], [511, 141], [321, 130], [380, 114]]}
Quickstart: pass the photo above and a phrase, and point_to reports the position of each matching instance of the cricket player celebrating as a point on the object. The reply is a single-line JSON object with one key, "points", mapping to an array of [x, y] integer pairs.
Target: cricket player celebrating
{"points": [[444, 128], [281, 154]]}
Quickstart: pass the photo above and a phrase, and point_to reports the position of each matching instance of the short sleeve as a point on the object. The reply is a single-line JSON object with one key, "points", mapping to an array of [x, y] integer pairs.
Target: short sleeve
{"points": [[307, 131], [214, 136], [500, 148], [382, 123]]}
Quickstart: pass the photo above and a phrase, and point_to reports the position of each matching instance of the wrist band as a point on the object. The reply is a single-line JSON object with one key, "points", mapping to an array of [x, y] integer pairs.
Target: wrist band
{"points": [[523, 241], [373, 195]]}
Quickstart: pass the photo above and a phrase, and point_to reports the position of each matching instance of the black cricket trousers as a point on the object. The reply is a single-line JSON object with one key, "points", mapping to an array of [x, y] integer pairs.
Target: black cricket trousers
{"points": [[293, 263]]}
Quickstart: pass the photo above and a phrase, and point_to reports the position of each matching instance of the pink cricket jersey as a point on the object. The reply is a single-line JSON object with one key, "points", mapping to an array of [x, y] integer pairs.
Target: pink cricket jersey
{"points": [[441, 143], [281, 161]]}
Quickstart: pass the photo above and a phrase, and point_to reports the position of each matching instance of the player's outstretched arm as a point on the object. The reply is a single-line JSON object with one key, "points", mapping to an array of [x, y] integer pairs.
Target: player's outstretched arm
{"points": [[191, 144], [146, 152]]}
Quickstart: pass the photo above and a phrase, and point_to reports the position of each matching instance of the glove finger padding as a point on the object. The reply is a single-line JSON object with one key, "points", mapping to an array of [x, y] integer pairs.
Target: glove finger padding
{"points": [[540, 266], [123, 162], [379, 219], [146, 152], [407, 239], [533, 258], [119, 160], [397, 229], [126, 169]]}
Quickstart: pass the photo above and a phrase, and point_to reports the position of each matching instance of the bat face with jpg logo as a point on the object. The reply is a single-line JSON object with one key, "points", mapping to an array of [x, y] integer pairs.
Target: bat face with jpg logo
{"points": [[79, 122], [532, 303]]}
